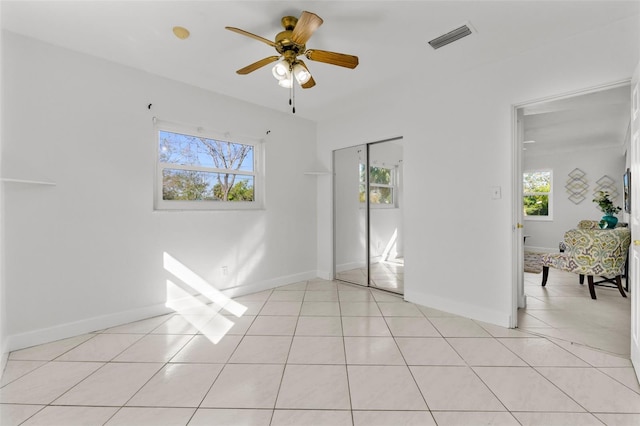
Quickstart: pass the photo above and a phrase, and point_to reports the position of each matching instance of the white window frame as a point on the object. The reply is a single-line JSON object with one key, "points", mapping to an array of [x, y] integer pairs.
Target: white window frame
{"points": [[549, 216], [184, 205], [393, 186]]}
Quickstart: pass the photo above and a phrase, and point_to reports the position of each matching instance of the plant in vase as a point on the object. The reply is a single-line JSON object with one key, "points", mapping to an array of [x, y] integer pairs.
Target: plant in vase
{"points": [[609, 220]]}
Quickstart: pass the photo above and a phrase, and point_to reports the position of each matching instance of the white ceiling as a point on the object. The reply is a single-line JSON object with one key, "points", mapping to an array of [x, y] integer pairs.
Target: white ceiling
{"points": [[389, 37], [593, 120]]}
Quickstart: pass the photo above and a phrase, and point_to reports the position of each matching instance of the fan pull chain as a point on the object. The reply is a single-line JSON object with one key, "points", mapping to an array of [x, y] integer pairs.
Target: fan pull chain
{"points": [[293, 90]]}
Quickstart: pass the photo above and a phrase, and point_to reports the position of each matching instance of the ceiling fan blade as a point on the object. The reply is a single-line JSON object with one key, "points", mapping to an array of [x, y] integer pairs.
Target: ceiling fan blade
{"points": [[307, 24], [340, 59], [248, 34], [259, 64], [309, 84]]}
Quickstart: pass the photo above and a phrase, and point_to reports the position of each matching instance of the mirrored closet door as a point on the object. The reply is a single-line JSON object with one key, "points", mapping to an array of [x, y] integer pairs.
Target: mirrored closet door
{"points": [[368, 215], [350, 216]]}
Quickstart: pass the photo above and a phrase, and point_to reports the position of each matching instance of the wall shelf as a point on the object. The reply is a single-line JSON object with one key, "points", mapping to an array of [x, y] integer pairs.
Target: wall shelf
{"points": [[317, 173], [29, 182]]}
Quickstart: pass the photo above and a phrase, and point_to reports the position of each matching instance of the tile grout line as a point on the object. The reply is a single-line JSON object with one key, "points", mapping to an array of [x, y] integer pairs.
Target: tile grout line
{"points": [[426, 404], [344, 349], [284, 366], [105, 363]]}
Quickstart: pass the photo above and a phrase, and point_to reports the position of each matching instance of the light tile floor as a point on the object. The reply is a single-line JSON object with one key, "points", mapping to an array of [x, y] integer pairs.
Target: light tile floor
{"points": [[317, 353], [563, 309]]}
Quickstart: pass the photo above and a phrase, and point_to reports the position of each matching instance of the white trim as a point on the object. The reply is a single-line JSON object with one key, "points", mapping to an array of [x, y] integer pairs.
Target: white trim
{"points": [[256, 287], [89, 325], [351, 265], [518, 299], [635, 98], [31, 182], [502, 319], [325, 275], [4, 356], [181, 205], [542, 249], [566, 95]]}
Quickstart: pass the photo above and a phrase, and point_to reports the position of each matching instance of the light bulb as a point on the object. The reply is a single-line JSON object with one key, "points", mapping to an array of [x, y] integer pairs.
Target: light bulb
{"points": [[287, 83], [281, 70], [301, 73]]}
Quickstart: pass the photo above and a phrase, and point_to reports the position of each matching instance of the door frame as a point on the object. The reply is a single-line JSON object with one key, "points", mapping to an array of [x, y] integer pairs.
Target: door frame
{"points": [[634, 267], [518, 298]]}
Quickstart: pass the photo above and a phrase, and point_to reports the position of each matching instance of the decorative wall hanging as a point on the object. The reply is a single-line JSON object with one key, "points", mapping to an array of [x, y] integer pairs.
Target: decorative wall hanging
{"points": [[577, 186], [608, 185]]}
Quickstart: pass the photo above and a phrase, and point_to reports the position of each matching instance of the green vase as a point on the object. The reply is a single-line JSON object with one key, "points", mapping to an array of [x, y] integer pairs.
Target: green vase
{"points": [[608, 222]]}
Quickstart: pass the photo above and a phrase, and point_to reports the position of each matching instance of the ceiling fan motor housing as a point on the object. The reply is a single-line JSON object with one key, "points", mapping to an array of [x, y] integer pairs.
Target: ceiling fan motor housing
{"points": [[284, 44]]}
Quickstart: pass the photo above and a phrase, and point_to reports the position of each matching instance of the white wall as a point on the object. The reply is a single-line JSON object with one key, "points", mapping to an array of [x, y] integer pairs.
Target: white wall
{"points": [[3, 299], [545, 235], [87, 253], [457, 144]]}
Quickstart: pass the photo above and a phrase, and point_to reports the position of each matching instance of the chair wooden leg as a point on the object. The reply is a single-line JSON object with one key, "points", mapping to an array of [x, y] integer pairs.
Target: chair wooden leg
{"points": [[619, 284], [545, 275], [581, 279], [592, 290]]}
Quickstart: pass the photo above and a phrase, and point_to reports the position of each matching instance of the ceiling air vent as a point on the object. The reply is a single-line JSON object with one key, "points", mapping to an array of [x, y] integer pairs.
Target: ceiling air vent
{"points": [[450, 37]]}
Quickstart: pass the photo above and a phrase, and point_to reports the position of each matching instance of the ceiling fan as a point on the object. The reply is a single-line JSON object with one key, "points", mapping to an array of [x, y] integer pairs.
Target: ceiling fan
{"points": [[291, 44]]}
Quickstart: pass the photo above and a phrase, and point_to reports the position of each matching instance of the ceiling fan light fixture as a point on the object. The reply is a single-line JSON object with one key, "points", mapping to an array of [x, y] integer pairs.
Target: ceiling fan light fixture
{"points": [[281, 71], [286, 83], [301, 73]]}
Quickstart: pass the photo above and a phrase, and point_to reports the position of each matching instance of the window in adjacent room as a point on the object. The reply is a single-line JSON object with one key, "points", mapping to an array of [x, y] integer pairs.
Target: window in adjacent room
{"points": [[537, 194], [203, 172], [381, 186]]}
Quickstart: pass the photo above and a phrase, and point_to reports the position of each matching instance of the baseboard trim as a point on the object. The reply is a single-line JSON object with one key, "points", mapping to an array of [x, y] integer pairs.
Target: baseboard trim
{"points": [[62, 331], [541, 249], [4, 357], [256, 287], [501, 319], [349, 266], [88, 325], [325, 275]]}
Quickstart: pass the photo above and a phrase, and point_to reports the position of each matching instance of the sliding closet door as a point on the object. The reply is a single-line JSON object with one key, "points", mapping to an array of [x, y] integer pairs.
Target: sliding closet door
{"points": [[386, 256], [350, 215]]}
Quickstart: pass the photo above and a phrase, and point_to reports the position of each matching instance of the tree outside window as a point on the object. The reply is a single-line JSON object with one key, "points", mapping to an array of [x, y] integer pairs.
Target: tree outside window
{"points": [[200, 169], [537, 194], [381, 185]]}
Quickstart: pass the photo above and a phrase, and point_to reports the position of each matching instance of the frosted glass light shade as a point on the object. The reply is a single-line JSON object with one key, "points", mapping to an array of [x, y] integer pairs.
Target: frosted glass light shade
{"points": [[281, 70], [301, 73], [286, 83]]}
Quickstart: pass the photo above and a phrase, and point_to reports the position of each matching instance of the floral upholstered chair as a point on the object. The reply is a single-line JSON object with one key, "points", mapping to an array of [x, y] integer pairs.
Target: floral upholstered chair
{"points": [[594, 253], [590, 224]]}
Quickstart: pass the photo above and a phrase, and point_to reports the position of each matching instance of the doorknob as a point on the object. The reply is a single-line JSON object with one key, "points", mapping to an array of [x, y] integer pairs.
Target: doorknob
{"points": [[520, 226], [636, 242]]}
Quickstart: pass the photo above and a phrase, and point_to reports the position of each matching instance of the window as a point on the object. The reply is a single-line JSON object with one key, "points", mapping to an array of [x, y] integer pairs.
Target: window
{"points": [[381, 186], [198, 172], [537, 195]]}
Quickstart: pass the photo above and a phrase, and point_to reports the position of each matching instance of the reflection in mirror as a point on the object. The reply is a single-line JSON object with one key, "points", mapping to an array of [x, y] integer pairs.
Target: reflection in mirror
{"points": [[386, 254], [350, 225]]}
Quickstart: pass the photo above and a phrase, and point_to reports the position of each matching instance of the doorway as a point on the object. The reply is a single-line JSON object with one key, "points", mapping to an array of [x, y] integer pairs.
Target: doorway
{"points": [[582, 140], [368, 217]]}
